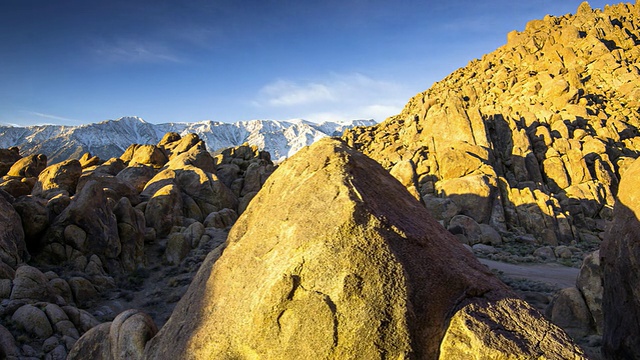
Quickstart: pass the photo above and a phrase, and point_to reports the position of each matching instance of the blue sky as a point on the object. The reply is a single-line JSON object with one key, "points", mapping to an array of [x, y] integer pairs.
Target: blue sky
{"points": [[77, 61]]}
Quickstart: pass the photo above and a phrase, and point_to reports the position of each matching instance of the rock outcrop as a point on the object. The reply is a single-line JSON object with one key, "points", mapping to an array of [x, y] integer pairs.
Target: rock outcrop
{"points": [[335, 259], [13, 249], [8, 157], [124, 338], [532, 138], [578, 309], [60, 177], [29, 166], [620, 256]]}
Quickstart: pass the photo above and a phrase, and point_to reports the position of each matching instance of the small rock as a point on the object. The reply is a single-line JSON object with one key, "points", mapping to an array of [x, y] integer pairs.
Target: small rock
{"points": [[66, 328], [58, 353], [57, 204], [61, 176], [60, 287], [13, 249], [526, 239], [5, 288], [569, 311], [149, 235], [489, 235], [29, 351], [193, 233], [222, 219], [94, 266], [467, 226], [244, 201], [30, 283], [50, 344], [34, 215], [545, 253], [589, 283], [563, 252], [29, 166], [33, 320], [69, 341], [6, 271], [82, 320], [82, 290], [129, 334], [177, 248], [55, 313], [75, 236], [8, 345], [484, 249], [94, 344], [441, 208]]}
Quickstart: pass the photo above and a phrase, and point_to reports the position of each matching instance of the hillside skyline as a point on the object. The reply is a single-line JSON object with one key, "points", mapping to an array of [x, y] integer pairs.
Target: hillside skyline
{"points": [[76, 63]]}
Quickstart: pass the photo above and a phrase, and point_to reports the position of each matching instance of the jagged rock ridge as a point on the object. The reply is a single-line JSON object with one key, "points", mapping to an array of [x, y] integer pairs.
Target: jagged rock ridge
{"points": [[532, 138], [110, 138]]}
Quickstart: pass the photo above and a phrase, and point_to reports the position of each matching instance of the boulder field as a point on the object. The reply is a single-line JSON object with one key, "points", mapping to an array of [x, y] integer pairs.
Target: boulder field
{"points": [[78, 235]]}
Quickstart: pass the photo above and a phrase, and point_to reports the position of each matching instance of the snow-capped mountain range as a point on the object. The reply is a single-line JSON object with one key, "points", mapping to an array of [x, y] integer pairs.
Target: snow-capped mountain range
{"points": [[110, 138]]}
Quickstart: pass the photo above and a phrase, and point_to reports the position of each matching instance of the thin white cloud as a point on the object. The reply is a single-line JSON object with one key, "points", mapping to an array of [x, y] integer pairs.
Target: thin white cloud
{"points": [[383, 111], [133, 51], [288, 93], [51, 117], [335, 97]]}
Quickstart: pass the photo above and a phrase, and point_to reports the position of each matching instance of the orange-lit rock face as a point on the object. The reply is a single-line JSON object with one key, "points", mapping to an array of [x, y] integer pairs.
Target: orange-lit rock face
{"points": [[550, 119], [335, 259]]}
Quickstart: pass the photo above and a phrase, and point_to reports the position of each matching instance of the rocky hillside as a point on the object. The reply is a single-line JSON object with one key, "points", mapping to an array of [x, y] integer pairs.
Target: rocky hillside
{"points": [[329, 256], [531, 139], [110, 138]]}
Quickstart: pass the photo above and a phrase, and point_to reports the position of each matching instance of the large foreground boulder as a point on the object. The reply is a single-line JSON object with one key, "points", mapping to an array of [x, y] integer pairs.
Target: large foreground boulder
{"points": [[334, 259], [620, 255]]}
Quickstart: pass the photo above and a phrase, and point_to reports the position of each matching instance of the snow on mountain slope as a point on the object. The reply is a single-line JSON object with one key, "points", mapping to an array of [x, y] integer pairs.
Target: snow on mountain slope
{"points": [[110, 138]]}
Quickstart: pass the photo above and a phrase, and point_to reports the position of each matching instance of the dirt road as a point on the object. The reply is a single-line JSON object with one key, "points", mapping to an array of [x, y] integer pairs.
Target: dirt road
{"points": [[550, 273]]}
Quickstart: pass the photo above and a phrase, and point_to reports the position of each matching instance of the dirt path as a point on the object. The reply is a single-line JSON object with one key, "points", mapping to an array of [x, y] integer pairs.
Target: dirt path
{"points": [[550, 273]]}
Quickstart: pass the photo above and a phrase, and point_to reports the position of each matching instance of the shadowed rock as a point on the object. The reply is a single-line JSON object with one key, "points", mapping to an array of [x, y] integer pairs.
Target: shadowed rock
{"points": [[620, 255], [335, 259], [124, 338], [87, 224], [13, 249], [34, 215]]}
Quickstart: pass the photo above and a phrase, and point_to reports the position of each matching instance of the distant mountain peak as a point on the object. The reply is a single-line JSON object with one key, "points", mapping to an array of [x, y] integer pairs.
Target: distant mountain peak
{"points": [[109, 138]]}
